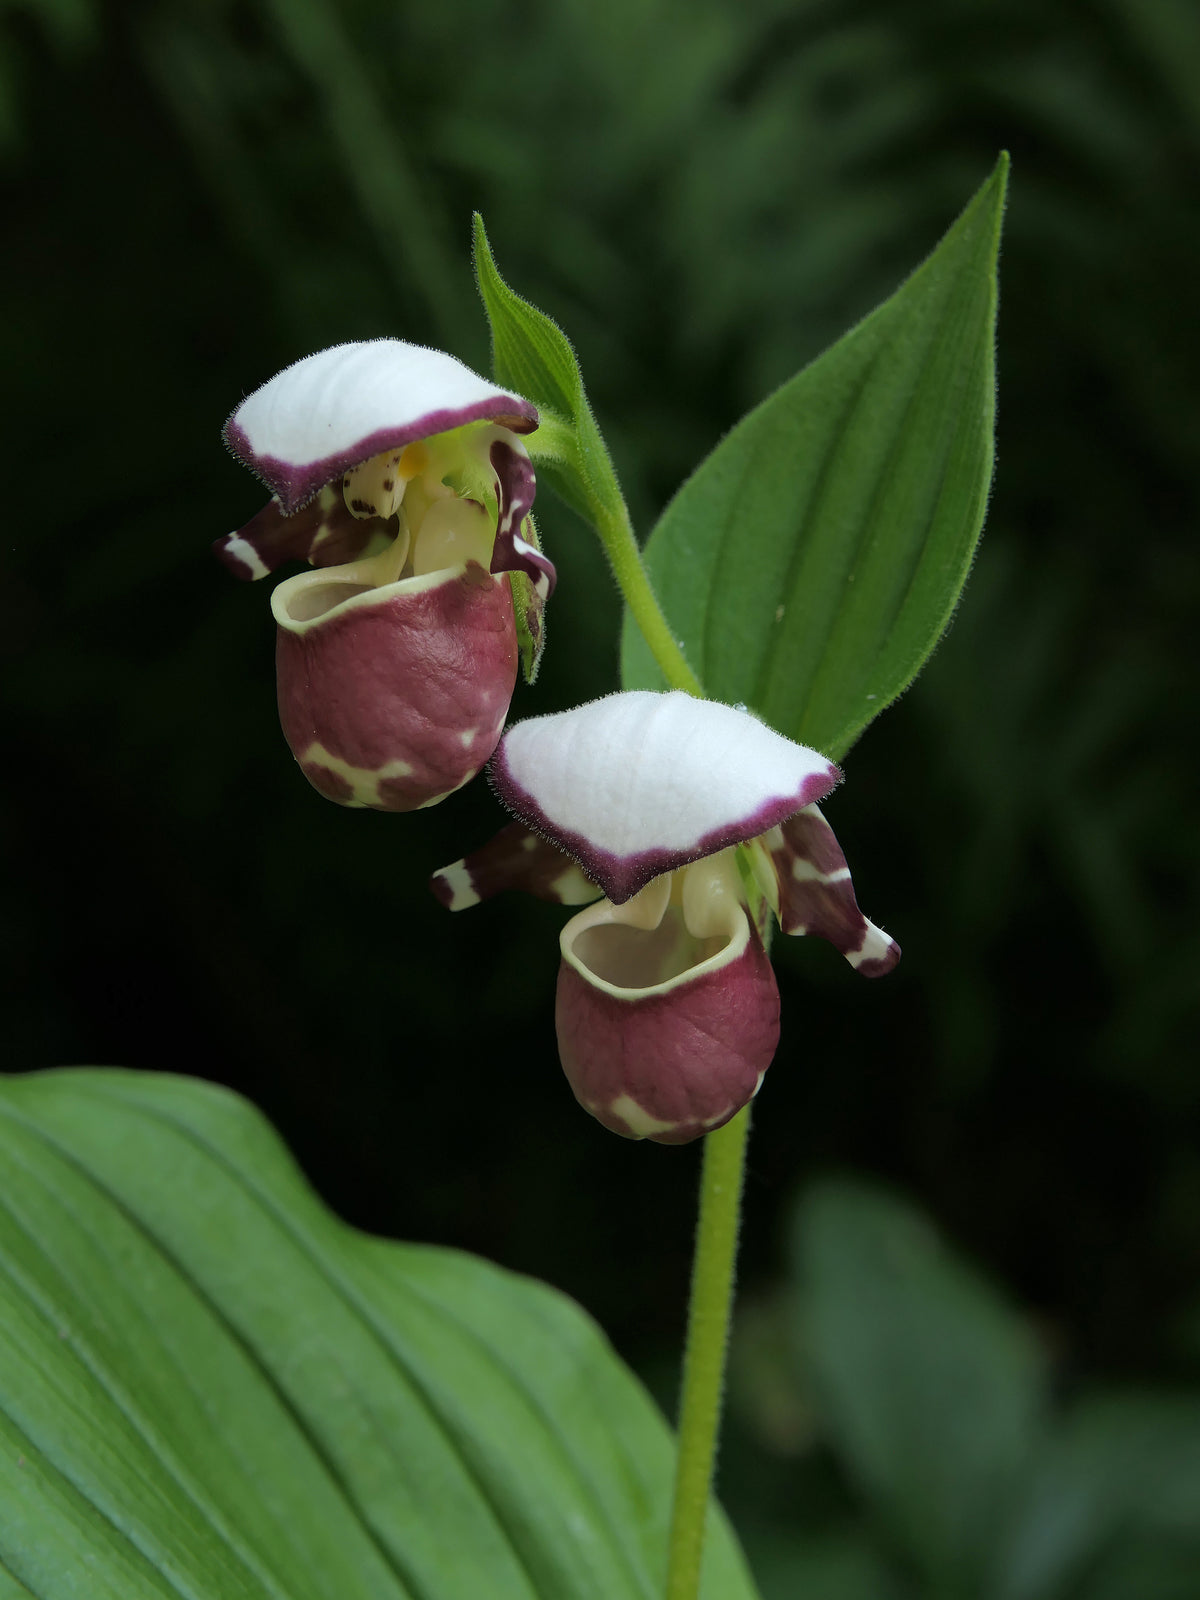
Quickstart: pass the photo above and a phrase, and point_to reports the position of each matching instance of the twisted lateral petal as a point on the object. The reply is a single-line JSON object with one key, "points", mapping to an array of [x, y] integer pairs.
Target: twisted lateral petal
{"points": [[393, 697], [665, 1029], [815, 895], [531, 573], [637, 784], [325, 532], [331, 411], [516, 488], [514, 859]]}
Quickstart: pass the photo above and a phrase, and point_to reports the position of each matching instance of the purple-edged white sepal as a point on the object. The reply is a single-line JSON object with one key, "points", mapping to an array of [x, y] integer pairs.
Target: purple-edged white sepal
{"points": [[393, 695], [807, 882], [328, 413], [637, 784], [667, 1011], [393, 491], [514, 859]]}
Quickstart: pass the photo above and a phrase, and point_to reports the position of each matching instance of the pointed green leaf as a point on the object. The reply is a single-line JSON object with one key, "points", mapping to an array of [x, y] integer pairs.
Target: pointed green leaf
{"points": [[211, 1389], [932, 1388], [813, 560], [532, 355]]}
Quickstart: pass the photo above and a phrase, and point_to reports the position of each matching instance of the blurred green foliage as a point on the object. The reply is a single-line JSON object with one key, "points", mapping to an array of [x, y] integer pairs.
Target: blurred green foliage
{"points": [[703, 195], [951, 1467]]}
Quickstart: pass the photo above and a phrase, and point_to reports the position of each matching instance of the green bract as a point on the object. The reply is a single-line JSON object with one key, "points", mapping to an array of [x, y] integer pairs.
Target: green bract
{"points": [[536, 358]]}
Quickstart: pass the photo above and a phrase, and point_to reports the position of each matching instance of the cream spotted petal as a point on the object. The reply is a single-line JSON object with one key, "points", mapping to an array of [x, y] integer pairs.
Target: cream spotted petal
{"points": [[638, 784], [807, 883], [333, 410], [514, 859]]}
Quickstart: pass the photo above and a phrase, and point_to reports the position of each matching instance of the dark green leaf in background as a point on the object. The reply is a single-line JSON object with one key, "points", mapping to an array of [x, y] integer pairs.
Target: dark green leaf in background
{"points": [[532, 355], [931, 1387], [813, 560], [210, 1388], [1113, 1506], [932, 1395]]}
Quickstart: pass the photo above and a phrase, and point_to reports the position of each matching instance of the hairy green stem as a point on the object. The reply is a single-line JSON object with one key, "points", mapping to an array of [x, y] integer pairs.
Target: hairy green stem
{"points": [[704, 1358], [721, 1179], [621, 547]]}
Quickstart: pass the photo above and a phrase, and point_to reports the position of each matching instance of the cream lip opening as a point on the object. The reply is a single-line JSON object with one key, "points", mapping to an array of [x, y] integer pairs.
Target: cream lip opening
{"points": [[638, 958], [318, 599]]}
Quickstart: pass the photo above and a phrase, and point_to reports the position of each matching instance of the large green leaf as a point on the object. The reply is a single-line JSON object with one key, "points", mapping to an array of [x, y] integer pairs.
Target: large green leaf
{"points": [[813, 560], [932, 1388], [211, 1388]]}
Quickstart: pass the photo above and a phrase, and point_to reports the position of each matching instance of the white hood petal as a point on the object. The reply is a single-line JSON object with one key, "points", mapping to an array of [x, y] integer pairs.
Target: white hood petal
{"points": [[638, 784], [331, 411]]}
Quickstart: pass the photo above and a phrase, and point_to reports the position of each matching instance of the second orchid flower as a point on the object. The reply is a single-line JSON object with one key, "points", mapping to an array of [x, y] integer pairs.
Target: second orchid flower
{"points": [[691, 819], [399, 474]]}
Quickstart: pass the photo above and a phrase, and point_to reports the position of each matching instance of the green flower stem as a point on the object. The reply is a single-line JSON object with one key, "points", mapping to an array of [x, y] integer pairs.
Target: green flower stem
{"points": [[704, 1357], [621, 547], [720, 1183]]}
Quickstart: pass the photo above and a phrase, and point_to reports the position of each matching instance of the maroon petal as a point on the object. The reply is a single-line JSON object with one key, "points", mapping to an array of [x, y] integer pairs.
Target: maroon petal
{"points": [[394, 697], [516, 489], [324, 532], [817, 897], [514, 859]]}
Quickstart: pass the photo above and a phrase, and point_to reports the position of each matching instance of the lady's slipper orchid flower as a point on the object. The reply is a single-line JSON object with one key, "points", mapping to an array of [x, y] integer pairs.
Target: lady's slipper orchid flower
{"points": [[398, 473], [690, 818]]}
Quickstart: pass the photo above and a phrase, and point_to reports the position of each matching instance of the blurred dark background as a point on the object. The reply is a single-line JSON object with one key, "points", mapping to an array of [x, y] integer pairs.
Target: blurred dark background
{"points": [[704, 194]]}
